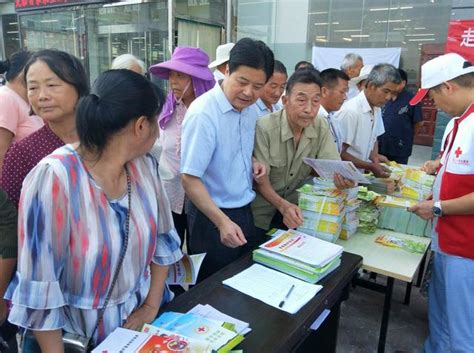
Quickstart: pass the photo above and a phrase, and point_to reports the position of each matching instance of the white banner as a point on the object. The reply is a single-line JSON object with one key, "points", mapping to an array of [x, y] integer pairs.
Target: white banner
{"points": [[324, 58]]}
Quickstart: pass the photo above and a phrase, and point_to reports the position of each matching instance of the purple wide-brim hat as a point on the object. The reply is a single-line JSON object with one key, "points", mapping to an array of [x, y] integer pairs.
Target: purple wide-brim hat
{"points": [[188, 60]]}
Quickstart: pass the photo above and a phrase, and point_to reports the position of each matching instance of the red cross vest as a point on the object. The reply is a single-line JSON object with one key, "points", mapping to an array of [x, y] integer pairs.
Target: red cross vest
{"points": [[456, 232]]}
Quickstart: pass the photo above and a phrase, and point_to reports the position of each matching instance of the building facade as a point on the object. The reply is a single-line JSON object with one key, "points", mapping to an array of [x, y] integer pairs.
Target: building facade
{"points": [[98, 31], [150, 29]]}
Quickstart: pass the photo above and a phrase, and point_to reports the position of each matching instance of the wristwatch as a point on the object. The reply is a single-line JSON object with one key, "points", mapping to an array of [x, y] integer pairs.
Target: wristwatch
{"points": [[437, 210]]}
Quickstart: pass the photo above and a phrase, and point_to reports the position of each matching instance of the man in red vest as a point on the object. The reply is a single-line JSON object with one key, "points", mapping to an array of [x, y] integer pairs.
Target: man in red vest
{"points": [[449, 81]]}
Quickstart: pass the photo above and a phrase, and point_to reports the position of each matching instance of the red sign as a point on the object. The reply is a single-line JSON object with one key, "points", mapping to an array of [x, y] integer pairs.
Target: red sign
{"points": [[26, 5], [461, 39]]}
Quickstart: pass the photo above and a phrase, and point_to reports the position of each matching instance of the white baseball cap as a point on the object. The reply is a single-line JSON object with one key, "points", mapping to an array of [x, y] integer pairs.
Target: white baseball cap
{"points": [[222, 54], [441, 69], [364, 73]]}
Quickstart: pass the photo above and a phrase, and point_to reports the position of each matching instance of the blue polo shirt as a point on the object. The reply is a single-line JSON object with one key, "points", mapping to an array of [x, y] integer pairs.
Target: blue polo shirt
{"points": [[399, 119], [217, 145]]}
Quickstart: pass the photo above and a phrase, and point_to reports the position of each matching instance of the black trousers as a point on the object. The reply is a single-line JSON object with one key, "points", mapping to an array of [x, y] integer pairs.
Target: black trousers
{"points": [[277, 222], [205, 237], [181, 224]]}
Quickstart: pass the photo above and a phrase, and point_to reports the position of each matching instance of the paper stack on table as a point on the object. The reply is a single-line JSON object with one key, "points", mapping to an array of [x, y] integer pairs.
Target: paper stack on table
{"points": [[395, 168], [394, 216], [299, 255], [416, 184], [368, 214], [323, 211], [272, 287], [351, 219], [350, 223], [385, 186]]}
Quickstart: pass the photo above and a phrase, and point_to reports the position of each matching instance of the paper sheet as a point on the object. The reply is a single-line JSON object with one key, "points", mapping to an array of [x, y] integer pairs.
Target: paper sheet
{"points": [[186, 270], [210, 312], [327, 168], [271, 287]]}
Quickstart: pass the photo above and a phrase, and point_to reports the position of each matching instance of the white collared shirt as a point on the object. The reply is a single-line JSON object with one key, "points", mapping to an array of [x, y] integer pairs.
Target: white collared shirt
{"points": [[323, 113], [218, 75], [359, 126], [352, 92]]}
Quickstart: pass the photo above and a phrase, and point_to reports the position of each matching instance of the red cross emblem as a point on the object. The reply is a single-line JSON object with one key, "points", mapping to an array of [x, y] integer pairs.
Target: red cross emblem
{"points": [[202, 329], [458, 152]]}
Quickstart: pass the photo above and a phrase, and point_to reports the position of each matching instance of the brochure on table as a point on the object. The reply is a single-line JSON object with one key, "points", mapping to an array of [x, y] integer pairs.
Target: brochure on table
{"points": [[210, 312], [221, 335]]}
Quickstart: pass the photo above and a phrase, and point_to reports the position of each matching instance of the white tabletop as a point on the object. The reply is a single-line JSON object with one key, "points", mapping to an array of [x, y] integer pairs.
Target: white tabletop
{"points": [[393, 262]]}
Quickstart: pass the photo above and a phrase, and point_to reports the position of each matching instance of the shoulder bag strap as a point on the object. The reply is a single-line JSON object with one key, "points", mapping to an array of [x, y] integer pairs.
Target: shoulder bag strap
{"points": [[122, 254]]}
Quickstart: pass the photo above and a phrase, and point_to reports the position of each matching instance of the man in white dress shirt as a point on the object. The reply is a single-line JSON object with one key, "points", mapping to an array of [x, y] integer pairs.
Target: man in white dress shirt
{"points": [[351, 65], [333, 94], [360, 121]]}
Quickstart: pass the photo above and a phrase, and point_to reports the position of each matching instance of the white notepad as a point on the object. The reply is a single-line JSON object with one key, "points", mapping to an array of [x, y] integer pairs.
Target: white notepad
{"points": [[271, 287]]}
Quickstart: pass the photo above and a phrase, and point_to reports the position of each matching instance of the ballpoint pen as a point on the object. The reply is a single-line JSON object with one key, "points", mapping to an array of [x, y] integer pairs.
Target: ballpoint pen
{"points": [[286, 297]]}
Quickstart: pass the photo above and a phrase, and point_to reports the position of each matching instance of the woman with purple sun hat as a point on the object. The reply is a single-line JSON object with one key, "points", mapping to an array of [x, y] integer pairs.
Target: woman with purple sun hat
{"points": [[189, 77]]}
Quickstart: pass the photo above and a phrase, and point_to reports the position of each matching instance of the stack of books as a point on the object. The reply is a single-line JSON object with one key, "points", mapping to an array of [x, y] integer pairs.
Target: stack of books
{"points": [[394, 216], [299, 255], [323, 211], [385, 186], [351, 220], [365, 194], [416, 184], [395, 168], [368, 214]]}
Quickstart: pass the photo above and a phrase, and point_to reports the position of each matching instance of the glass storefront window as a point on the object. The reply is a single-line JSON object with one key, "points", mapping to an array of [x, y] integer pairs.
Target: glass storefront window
{"points": [[200, 23], [210, 10], [97, 34], [141, 30], [380, 23], [292, 27], [11, 37]]}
